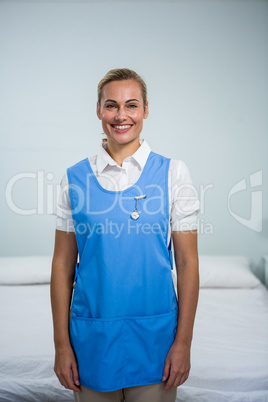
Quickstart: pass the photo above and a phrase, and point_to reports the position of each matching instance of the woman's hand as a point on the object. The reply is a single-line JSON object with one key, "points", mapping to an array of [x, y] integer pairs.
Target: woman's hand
{"points": [[177, 365], [66, 368]]}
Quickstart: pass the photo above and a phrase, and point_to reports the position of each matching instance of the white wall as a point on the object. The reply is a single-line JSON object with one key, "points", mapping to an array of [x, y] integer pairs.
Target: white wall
{"points": [[205, 64]]}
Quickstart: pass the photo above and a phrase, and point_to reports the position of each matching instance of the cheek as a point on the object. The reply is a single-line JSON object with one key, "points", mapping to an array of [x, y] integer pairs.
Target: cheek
{"points": [[107, 116], [104, 117], [137, 116], [140, 118]]}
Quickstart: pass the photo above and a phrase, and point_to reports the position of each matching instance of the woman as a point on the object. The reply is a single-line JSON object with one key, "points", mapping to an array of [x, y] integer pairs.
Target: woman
{"points": [[124, 338]]}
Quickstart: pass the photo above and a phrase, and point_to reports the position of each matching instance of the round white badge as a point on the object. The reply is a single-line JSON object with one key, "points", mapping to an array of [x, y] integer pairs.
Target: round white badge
{"points": [[135, 215]]}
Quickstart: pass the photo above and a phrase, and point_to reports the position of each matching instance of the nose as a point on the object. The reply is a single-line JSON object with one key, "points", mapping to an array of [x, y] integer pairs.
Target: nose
{"points": [[121, 114]]}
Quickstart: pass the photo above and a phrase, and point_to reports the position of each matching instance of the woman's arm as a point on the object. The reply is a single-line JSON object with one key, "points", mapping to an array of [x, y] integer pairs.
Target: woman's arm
{"points": [[177, 365], [61, 285]]}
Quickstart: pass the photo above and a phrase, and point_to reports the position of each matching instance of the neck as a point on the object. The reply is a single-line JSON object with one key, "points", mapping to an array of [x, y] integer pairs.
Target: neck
{"points": [[119, 152]]}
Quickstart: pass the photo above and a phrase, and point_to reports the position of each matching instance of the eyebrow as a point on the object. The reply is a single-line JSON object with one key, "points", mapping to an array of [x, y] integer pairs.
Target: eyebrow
{"points": [[130, 100]]}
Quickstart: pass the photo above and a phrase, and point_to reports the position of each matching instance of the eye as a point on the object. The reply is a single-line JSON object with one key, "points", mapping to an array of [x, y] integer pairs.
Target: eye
{"points": [[110, 106], [132, 106]]}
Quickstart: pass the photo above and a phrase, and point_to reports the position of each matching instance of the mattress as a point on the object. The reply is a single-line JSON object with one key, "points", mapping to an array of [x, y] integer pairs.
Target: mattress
{"points": [[229, 354], [26, 346]]}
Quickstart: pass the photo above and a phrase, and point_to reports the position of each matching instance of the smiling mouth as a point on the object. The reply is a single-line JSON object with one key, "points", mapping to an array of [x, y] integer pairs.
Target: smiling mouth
{"points": [[121, 127]]}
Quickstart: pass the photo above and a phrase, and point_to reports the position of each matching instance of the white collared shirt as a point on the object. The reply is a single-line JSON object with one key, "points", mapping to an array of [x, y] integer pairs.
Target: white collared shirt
{"points": [[183, 203]]}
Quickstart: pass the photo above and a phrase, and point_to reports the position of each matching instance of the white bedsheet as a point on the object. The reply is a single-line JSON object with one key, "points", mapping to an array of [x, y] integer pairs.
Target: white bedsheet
{"points": [[229, 355], [229, 351], [26, 346]]}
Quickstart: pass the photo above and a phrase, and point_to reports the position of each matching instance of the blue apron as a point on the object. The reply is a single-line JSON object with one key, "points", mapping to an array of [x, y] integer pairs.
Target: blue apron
{"points": [[124, 309]]}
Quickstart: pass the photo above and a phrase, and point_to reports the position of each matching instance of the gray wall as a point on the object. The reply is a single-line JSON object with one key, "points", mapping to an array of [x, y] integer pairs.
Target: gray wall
{"points": [[205, 63]]}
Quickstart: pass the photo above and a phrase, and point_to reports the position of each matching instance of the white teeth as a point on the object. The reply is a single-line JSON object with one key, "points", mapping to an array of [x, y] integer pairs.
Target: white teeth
{"points": [[122, 127]]}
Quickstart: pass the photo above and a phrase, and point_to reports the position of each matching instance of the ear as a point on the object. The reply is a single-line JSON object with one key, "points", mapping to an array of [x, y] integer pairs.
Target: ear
{"points": [[98, 111], [146, 111]]}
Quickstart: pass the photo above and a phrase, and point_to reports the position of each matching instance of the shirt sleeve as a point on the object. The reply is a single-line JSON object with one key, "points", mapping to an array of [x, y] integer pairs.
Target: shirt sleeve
{"points": [[64, 220], [185, 204]]}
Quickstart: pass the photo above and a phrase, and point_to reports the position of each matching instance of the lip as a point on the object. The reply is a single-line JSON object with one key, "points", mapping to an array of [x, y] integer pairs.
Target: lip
{"points": [[124, 129]]}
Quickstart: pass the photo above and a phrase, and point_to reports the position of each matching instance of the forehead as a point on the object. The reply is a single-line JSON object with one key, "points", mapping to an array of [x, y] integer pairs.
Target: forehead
{"points": [[122, 90]]}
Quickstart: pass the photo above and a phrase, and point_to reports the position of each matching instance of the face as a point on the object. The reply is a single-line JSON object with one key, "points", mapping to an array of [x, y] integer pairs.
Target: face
{"points": [[122, 111]]}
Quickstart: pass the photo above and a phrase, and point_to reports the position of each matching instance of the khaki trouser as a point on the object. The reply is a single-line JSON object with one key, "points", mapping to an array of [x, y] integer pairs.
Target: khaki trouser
{"points": [[141, 393]]}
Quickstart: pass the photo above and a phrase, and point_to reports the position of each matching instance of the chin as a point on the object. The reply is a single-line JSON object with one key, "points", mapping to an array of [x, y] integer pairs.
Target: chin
{"points": [[123, 140]]}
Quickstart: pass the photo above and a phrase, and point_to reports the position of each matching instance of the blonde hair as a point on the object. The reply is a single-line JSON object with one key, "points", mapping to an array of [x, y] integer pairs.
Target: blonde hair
{"points": [[120, 74]]}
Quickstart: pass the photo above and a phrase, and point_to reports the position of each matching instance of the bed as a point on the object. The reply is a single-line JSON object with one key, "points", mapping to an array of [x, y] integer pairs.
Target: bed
{"points": [[26, 337], [229, 354]]}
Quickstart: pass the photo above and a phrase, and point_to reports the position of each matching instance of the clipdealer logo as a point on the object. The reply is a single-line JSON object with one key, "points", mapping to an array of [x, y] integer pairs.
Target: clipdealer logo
{"points": [[255, 221]]}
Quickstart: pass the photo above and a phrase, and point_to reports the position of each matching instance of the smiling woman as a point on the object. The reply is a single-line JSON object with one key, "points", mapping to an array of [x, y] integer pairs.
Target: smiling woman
{"points": [[121, 109], [117, 331]]}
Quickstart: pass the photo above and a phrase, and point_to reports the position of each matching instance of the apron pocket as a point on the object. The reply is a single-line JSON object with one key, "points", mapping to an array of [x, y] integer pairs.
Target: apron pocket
{"points": [[147, 342], [97, 344]]}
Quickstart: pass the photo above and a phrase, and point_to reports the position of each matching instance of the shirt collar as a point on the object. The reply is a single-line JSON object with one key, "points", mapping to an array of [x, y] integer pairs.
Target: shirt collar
{"points": [[140, 156]]}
